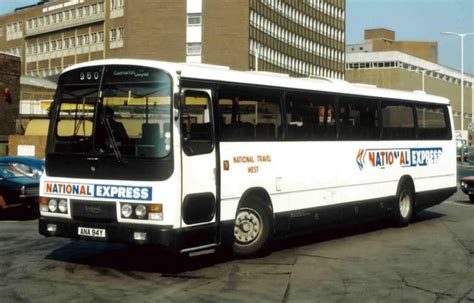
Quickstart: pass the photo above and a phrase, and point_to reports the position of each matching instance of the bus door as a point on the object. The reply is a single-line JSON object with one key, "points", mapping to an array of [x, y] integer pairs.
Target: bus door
{"points": [[200, 211]]}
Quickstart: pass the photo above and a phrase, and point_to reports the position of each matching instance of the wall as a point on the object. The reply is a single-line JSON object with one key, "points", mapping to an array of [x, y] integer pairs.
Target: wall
{"points": [[10, 68], [153, 30], [225, 33], [39, 143]]}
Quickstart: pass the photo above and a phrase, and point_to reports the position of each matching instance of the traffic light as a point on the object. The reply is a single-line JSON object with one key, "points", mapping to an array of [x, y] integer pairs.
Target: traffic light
{"points": [[7, 95]]}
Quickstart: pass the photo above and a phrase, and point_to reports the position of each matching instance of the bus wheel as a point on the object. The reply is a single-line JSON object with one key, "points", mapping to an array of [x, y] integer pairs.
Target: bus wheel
{"points": [[404, 209], [252, 230], [471, 198]]}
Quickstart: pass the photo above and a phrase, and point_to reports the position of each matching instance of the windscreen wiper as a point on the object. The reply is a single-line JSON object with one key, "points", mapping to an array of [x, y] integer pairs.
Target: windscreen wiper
{"points": [[112, 141]]}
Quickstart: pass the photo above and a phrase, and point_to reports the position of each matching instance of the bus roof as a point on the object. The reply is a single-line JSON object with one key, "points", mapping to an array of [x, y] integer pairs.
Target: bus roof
{"points": [[224, 74]]}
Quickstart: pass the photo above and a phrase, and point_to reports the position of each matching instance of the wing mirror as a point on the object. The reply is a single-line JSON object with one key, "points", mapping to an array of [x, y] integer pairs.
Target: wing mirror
{"points": [[179, 100]]}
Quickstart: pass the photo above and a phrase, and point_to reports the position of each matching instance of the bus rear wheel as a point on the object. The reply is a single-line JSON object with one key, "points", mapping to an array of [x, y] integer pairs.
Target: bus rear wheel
{"points": [[405, 206], [252, 229]]}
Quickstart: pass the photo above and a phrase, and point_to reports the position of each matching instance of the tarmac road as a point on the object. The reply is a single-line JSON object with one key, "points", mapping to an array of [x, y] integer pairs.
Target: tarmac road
{"points": [[431, 260]]}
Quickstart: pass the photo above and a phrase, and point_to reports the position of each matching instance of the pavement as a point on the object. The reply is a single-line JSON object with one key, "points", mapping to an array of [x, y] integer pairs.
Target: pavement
{"points": [[431, 260]]}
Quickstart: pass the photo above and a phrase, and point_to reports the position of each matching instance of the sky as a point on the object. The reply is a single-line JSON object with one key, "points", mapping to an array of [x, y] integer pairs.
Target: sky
{"points": [[418, 20], [410, 19]]}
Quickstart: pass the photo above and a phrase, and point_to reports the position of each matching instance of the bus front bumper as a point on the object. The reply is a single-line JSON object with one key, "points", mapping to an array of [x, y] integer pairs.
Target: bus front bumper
{"points": [[112, 232]]}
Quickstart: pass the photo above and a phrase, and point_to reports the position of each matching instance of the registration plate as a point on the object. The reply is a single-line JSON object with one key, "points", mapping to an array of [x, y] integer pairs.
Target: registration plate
{"points": [[91, 232]]}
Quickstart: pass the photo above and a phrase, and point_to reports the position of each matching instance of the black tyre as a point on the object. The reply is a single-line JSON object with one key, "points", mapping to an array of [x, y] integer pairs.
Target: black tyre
{"points": [[253, 229], [471, 198], [405, 204]]}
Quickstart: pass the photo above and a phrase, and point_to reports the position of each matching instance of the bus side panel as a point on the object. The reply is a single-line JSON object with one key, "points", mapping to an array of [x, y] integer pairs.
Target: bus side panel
{"points": [[369, 170]]}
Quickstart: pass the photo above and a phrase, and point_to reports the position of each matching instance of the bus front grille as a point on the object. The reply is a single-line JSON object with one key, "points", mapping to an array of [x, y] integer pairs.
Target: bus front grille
{"points": [[93, 211]]}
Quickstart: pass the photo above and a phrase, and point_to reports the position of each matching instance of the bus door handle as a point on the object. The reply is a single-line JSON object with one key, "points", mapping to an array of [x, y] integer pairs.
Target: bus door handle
{"points": [[279, 183]]}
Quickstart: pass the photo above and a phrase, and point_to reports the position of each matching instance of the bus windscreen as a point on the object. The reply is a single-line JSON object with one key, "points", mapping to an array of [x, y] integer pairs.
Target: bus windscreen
{"points": [[121, 110]]}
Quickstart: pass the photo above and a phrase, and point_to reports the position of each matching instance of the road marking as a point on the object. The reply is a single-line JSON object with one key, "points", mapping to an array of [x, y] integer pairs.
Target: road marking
{"points": [[459, 204]]}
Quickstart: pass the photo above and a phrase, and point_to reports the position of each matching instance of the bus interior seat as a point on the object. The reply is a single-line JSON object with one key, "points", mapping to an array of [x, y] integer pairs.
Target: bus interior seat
{"points": [[246, 130], [150, 139], [265, 130], [228, 132]]}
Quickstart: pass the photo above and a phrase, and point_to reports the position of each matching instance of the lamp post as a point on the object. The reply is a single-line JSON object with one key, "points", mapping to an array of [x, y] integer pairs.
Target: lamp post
{"points": [[462, 73]]}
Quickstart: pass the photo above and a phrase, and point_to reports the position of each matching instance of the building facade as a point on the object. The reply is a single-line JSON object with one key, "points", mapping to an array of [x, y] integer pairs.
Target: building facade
{"points": [[297, 37], [10, 94], [397, 70], [383, 40]]}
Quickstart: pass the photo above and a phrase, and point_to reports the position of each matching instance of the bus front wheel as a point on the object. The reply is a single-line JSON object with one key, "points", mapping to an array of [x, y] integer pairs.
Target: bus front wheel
{"points": [[404, 208], [252, 229]]}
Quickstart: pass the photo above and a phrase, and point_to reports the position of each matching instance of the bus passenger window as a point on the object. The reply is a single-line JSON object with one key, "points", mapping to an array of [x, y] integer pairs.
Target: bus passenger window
{"points": [[246, 114], [432, 123], [358, 119], [196, 123], [310, 116], [398, 121]]}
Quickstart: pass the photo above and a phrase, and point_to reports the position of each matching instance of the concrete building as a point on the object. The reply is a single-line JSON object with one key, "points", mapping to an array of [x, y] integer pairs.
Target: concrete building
{"points": [[383, 40], [297, 37], [403, 71], [10, 93], [9, 97]]}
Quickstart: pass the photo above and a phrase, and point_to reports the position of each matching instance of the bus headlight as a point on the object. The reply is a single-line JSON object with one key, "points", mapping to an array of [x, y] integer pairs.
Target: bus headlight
{"points": [[140, 211], [62, 206], [126, 210], [463, 184], [53, 205]]}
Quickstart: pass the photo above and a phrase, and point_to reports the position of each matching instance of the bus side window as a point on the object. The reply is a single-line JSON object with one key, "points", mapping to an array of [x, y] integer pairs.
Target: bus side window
{"points": [[358, 119], [196, 124], [398, 121], [247, 114], [310, 116], [432, 123]]}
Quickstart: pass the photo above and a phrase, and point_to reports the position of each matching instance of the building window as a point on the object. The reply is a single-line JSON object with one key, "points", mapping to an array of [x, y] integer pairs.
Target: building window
{"points": [[194, 20], [193, 49], [94, 38], [113, 34], [116, 4], [117, 34]]}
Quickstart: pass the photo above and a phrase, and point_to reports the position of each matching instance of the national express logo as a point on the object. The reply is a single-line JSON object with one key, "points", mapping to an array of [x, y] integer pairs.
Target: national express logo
{"points": [[99, 191], [398, 157]]}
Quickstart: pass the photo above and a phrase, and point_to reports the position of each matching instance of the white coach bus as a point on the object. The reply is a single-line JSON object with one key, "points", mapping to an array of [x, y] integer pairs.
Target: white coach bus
{"points": [[192, 157]]}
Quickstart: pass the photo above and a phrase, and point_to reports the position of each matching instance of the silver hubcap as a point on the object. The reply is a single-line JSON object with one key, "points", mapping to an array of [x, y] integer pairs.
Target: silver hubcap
{"points": [[248, 226], [404, 204]]}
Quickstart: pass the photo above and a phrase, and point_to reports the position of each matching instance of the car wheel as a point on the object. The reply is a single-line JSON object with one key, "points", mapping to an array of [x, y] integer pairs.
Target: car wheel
{"points": [[404, 208], [252, 229]]}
